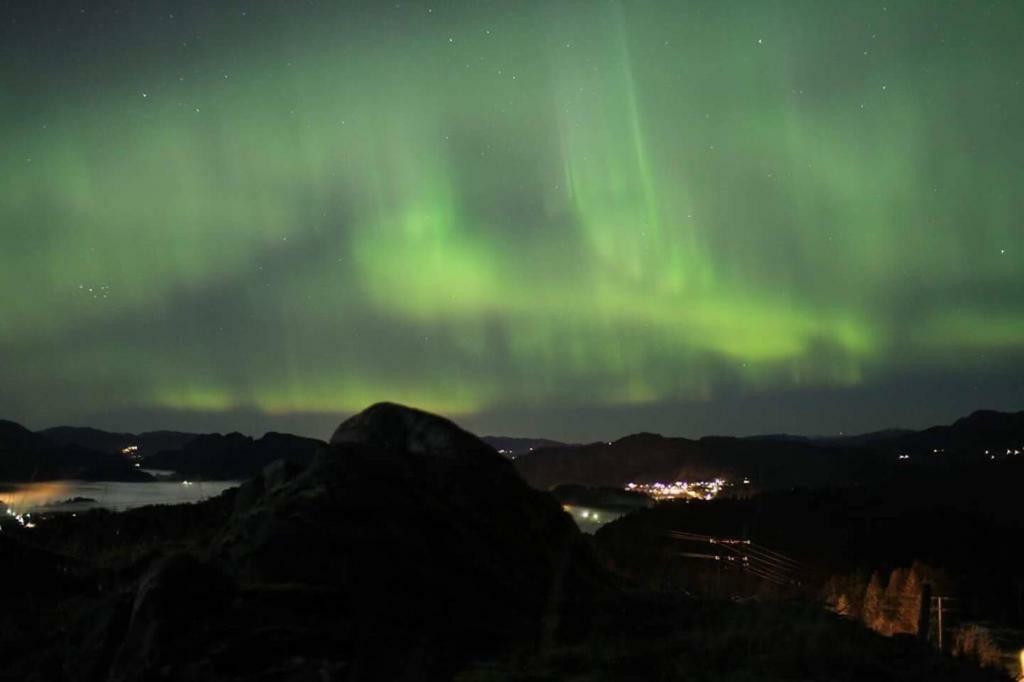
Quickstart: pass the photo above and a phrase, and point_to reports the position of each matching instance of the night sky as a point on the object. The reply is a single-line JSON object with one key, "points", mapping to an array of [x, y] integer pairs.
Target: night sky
{"points": [[568, 219]]}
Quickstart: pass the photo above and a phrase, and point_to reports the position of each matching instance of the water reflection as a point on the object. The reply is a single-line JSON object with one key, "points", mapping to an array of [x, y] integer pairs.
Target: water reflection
{"points": [[118, 496]]}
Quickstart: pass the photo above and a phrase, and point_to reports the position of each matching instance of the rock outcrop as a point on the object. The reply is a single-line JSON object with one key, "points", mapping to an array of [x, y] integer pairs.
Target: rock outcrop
{"points": [[396, 428], [233, 456], [28, 456], [424, 535], [405, 549]]}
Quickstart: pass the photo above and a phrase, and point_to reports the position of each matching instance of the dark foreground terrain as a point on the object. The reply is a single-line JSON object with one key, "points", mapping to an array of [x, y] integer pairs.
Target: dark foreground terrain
{"points": [[406, 549]]}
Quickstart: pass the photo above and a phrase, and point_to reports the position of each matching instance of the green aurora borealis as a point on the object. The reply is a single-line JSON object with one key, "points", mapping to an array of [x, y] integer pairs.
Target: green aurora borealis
{"points": [[553, 218]]}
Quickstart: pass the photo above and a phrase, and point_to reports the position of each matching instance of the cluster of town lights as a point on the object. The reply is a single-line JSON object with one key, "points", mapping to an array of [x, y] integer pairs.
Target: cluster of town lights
{"points": [[23, 519], [679, 490]]}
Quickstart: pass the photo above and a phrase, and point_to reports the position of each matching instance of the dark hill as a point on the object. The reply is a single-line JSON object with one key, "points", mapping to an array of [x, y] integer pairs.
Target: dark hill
{"points": [[975, 433], [406, 550], [402, 551], [233, 456], [149, 442], [28, 456], [778, 461], [640, 458], [508, 445], [397, 428], [424, 533], [862, 439], [647, 457]]}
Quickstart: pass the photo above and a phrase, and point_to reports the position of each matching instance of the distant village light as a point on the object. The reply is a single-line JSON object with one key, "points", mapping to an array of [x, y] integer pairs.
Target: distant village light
{"points": [[690, 490]]}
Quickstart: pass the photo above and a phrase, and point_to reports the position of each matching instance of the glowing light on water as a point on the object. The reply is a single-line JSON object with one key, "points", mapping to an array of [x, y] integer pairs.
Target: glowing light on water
{"points": [[35, 495], [68, 496]]}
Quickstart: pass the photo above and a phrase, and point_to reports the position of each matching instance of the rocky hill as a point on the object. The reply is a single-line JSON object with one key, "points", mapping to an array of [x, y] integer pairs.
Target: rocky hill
{"points": [[780, 462], [232, 456], [28, 456], [648, 457], [148, 442], [514, 446], [975, 433], [403, 550]]}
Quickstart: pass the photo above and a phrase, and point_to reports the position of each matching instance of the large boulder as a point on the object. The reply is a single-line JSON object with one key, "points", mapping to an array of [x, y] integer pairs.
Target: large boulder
{"points": [[405, 550], [396, 428], [427, 541]]}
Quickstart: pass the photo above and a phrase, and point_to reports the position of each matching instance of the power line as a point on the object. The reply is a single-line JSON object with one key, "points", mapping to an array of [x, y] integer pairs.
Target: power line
{"points": [[756, 559]]}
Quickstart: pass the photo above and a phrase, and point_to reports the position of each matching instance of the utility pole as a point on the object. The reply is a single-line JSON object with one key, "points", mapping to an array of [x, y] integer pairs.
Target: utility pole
{"points": [[941, 606]]}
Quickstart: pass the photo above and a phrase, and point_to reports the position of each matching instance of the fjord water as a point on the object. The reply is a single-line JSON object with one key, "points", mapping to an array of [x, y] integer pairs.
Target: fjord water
{"points": [[114, 495]]}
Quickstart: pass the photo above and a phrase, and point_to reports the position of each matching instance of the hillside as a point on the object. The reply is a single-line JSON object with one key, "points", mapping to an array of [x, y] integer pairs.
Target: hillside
{"points": [[28, 456], [515, 446], [405, 549], [232, 456], [779, 462], [644, 458], [148, 442]]}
